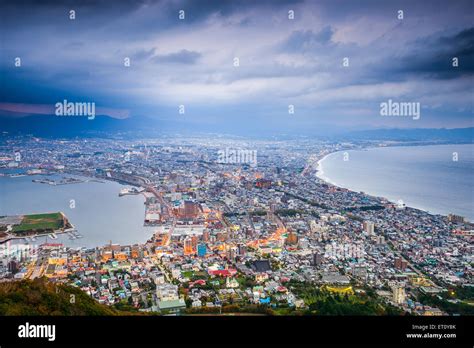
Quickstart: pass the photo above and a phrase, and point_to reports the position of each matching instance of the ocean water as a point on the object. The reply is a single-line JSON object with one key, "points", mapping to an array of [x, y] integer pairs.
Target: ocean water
{"points": [[423, 177], [99, 215]]}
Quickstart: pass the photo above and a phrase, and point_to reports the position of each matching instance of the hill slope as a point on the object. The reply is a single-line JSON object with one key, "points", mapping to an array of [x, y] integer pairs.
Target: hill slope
{"points": [[42, 297]]}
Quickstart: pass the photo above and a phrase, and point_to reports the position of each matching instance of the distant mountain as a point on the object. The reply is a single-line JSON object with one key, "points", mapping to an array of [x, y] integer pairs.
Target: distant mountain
{"points": [[51, 126], [66, 127], [455, 135]]}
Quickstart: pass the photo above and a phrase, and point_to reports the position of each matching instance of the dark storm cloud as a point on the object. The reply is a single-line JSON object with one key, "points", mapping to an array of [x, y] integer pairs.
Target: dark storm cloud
{"points": [[226, 7], [97, 10], [281, 61], [429, 57], [304, 40], [144, 54], [434, 56], [181, 57]]}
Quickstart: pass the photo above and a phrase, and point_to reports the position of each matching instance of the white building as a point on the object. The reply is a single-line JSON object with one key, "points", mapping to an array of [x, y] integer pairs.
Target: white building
{"points": [[399, 295], [369, 227]]}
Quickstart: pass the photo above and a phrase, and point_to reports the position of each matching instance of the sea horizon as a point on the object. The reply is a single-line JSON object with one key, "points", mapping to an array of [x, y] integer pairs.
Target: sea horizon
{"points": [[326, 172]]}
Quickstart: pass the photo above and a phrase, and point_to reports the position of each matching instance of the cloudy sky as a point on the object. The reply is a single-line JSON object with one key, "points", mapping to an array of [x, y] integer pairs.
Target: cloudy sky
{"points": [[282, 61]]}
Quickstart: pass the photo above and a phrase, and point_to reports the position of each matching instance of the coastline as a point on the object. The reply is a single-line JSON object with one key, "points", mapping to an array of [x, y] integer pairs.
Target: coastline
{"points": [[85, 240], [321, 175], [320, 171]]}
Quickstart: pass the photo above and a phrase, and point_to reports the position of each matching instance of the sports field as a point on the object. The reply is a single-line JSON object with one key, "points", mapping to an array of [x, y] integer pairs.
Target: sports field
{"points": [[39, 222]]}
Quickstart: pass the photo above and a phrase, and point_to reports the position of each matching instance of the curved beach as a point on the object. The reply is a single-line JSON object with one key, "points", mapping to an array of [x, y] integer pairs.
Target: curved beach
{"points": [[424, 177]]}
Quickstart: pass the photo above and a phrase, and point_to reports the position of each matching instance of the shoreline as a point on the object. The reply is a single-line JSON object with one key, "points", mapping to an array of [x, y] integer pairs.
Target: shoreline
{"points": [[320, 172], [320, 175], [62, 237], [53, 234]]}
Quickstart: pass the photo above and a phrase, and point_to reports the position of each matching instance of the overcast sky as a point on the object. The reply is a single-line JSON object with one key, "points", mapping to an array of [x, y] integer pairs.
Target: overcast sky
{"points": [[282, 61]]}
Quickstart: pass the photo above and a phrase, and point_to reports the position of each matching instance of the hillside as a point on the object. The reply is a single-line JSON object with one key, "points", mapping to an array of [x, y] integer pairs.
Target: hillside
{"points": [[41, 297]]}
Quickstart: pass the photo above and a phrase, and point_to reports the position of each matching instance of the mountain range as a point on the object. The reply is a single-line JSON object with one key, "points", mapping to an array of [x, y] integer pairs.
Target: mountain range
{"points": [[51, 126]]}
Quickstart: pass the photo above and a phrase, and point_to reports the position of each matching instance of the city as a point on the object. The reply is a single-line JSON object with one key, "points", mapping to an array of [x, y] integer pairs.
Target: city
{"points": [[236, 173], [251, 234]]}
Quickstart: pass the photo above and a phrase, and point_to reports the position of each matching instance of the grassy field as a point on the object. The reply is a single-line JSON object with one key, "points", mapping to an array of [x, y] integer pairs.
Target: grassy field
{"points": [[39, 222]]}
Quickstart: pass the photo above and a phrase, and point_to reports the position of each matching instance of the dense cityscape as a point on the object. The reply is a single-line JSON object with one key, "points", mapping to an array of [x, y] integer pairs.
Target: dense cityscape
{"points": [[240, 226], [236, 173]]}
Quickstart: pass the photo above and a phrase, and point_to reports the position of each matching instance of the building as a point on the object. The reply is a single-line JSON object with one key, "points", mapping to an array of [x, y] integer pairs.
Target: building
{"points": [[369, 227], [335, 278], [167, 292], [201, 249], [317, 259], [261, 277], [13, 266], [292, 238], [230, 272], [171, 305], [263, 183], [400, 264], [242, 249], [231, 253], [457, 219], [188, 246], [231, 283], [380, 240], [189, 210], [194, 242], [261, 266], [399, 295]]}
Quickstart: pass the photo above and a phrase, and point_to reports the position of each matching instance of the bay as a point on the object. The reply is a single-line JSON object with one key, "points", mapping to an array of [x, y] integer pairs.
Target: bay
{"points": [[99, 215], [423, 177]]}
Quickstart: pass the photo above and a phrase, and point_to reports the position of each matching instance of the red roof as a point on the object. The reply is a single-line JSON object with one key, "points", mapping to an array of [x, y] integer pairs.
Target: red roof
{"points": [[223, 272], [51, 245], [197, 282]]}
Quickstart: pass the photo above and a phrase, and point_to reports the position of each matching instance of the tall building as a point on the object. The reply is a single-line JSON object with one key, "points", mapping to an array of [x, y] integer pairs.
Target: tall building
{"points": [[380, 240], [400, 264], [201, 249], [188, 246], [369, 227], [13, 266], [292, 238], [317, 259], [231, 253], [189, 210], [242, 249], [248, 232], [273, 207], [194, 242], [263, 183], [455, 218], [399, 295], [303, 243]]}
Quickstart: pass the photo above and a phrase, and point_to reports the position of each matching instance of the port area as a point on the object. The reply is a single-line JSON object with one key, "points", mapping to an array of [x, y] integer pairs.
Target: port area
{"points": [[64, 181], [131, 191], [29, 227]]}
